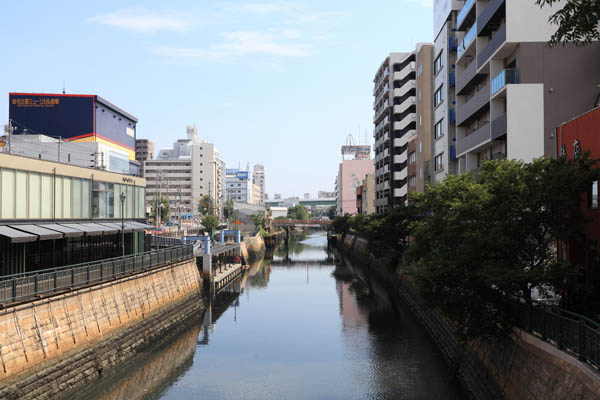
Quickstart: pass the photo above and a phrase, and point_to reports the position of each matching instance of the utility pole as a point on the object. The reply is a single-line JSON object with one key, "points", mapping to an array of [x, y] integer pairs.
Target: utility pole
{"points": [[10, 131], [59, 141], [159, 200], [179, 212]]}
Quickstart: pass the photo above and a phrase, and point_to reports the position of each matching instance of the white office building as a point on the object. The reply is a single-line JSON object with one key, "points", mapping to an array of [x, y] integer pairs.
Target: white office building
{"points": [[239, 186], [258, 178], [191, 169]]}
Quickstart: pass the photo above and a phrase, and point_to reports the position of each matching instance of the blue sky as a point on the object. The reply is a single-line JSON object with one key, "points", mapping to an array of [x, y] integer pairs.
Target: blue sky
{"points": [[277, 83]]}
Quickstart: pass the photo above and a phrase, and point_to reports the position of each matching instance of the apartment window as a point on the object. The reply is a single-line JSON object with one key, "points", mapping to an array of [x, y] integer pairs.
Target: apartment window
{"points": [[420, 120], [437, 97], [419, 69], [593, 195], [437, 64], [439, 162], [419, 94], [412, 181], [437, 131], [412, 157]]}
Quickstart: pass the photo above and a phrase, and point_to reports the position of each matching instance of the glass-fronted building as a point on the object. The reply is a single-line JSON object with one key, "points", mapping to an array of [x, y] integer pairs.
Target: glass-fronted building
{"points": [[54, 214]]}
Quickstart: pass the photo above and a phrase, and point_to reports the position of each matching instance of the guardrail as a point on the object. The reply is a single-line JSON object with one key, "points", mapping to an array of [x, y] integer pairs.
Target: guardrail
{"points": [[22, 286], [162, 241], [568, 331]]}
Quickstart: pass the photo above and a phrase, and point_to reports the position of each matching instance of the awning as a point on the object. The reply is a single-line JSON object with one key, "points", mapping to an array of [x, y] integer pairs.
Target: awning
{"points": [[68, 232], [16, 236], [89, 230], [142, 225], [114, 225], [43, 233], [134, 227], [107, 230]]}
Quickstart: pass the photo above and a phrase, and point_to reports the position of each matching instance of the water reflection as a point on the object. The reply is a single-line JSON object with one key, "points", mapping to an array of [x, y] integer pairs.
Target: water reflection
{"points": [[302, 326]]}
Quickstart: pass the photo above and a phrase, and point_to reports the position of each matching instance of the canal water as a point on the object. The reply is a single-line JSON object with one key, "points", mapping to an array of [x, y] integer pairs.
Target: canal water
{"points": [[297, 326]]}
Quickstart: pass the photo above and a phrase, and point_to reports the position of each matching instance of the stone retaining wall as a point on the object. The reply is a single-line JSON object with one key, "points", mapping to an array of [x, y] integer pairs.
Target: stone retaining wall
{"points": [[50, 345]]}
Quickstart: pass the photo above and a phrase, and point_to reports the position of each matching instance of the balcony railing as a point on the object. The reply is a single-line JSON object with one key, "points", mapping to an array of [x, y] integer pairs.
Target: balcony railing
{"points": [[462, 14], [30, 284], [464, 44], [473, 105], [497, 40], [503, 78], [474, 139]]}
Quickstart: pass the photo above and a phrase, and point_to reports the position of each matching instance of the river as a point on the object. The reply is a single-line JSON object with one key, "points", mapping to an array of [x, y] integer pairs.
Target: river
{"points": [[295, 327]]}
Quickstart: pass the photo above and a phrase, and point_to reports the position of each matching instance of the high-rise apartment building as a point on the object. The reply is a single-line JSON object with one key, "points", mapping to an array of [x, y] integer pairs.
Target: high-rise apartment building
{"points": [[443, 100], [239, 186], [191, 169], [512, 90], [144, 150], [394, 120], [258, 178]]}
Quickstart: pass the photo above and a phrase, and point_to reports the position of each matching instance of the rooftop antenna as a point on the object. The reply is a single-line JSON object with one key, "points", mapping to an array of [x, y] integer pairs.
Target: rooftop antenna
{"points": [[64, 91]]}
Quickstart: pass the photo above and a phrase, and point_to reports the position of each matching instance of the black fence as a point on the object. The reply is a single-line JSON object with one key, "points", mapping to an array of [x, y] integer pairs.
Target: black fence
{"points": [[22, 286], [571, 332], [164, 241]]}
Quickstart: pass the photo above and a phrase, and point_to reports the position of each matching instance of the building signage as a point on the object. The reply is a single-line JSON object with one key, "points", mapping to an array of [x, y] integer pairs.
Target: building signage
{"points": [[128, 180], [231, 171], [242, 175], [35, 102]]}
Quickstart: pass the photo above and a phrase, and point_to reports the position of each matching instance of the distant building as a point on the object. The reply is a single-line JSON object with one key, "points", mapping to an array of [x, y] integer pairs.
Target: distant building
{"points": [[365, 196], [277, 196], [144, 150], [350, 176], [325, 195], [239, 186], [191, 169], [78, 118], [258, 178], [256, 195], [278, 211], [307, 195]]}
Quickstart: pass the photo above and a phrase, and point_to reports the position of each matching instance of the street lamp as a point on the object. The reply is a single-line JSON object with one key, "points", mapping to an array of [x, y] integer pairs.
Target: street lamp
{"points": [[122, 197]]}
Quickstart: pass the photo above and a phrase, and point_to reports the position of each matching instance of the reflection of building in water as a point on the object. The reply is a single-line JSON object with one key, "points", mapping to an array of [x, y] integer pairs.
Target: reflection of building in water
{"points": [[148, 373], [351, 313]]}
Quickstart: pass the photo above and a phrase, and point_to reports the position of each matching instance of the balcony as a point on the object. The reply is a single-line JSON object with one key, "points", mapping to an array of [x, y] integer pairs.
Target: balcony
{"points": [[499, 127], [502, 79], [490, 17], [497, 40], [467, 40], [400, 108], [399, 92], [466, 14], [399, 175], [399, 75], [473, 140], [473, 105], [399, 125]]}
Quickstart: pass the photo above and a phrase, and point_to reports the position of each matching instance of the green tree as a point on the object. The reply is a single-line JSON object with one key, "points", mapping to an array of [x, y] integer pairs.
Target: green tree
{"points": [[331, 212], [298, 212], [210, 223], [341, 225], [205, 206], [483, 242], [259, 219], [163, 204], [388, 234], [228, 209], [577, 20]]}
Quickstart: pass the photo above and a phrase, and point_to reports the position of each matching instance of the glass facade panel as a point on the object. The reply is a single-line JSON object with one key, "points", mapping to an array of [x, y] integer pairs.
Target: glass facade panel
{"points": [[8, 193], [85, 198], [117, 199], [141, 212], [110, 200], [35, 199], [76, 198], [21, 194], [58, 187], [101, 192], [129, 201], [47, 196], [67, 206]]}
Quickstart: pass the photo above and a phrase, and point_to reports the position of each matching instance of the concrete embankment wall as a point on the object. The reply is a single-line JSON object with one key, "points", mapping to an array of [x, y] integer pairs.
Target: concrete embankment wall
{"points": [[253, 249], [521, 367], [52, 345]]}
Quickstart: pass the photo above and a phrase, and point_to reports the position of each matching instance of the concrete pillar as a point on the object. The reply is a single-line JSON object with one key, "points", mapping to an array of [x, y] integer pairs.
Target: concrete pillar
{"points": [[207, 267], [222, 237], [238, 236]]}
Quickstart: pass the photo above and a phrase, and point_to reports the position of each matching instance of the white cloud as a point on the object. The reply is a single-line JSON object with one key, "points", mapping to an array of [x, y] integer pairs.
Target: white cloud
{"points": [[143, 21], [237, 44], [241, 43]]}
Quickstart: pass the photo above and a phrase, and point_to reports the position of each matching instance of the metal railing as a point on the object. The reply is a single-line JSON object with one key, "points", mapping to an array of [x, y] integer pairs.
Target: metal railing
{"points": [[464, 44], [22, 286], [569, 331], [464, 11], [505, 77], [162, 241]]}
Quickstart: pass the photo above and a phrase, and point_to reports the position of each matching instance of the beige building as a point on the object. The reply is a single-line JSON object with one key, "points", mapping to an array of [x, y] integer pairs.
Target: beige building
{"points": [[424, 135], [144, 150], [365, 196]]}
